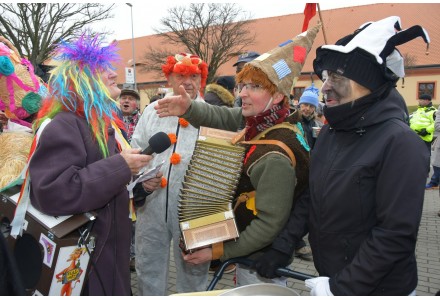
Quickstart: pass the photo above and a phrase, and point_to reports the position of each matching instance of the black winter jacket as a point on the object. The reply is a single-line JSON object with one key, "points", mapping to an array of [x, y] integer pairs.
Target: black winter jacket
{"points": [[367, 178], [367, 184]]}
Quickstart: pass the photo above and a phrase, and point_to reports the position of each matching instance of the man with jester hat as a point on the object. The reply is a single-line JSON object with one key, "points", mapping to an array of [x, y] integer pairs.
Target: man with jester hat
{"points": [[367, 171], [82, 162]]}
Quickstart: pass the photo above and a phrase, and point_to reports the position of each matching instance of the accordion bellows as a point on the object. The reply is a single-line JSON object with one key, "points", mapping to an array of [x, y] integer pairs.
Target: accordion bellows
{"points": [[205, 205]]}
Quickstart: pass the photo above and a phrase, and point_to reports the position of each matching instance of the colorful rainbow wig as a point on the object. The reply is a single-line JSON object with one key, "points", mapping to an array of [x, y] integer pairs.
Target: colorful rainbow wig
{"points": [[186, 64], [76, 85]]}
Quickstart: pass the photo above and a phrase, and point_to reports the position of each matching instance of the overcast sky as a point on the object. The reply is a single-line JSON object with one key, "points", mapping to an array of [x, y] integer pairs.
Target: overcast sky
{"points": [[147, 13]]}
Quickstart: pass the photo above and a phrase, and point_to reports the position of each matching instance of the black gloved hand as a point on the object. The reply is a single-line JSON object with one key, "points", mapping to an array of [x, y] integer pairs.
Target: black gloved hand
{"points": [[423, 132], [139, 195], [273, 259]]}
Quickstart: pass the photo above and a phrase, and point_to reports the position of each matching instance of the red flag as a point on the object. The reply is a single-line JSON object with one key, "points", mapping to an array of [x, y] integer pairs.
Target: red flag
{"points": [[309, 13]]}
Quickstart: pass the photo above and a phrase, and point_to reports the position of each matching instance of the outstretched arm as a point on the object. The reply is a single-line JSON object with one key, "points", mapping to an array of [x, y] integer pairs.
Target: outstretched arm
{"points": [[174, 105], [199, 113]]}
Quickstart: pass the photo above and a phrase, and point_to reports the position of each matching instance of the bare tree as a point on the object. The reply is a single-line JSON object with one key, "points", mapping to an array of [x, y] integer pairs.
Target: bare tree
{"points": [[35, 28], [213, 31]]}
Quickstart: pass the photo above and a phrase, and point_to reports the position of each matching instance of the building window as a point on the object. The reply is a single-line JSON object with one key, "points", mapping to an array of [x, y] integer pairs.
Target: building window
{"points": [[426, 88], [297, 92]]}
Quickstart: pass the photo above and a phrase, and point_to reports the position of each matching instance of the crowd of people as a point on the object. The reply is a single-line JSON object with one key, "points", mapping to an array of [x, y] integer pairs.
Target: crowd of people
{"points": [[329, 172]]}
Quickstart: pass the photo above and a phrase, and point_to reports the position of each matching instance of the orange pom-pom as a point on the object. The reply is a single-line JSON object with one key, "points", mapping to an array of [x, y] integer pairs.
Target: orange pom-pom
{"points": [[173, 138], [163, 182], [175, 158], [183, 122]]}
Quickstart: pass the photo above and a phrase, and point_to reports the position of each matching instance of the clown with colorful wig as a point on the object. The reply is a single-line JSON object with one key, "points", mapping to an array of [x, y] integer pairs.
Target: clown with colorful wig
{"points": [[82, 162], [157, 220]]}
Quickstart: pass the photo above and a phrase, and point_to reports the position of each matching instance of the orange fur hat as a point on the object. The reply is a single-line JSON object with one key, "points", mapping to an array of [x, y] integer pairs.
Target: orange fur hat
{"points": [[186, 64]]}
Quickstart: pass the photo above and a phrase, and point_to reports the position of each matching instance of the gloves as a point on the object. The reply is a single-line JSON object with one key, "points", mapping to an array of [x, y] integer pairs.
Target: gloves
{"points": [[269, 262], [423, 132], [139, 195], [319, 286]]}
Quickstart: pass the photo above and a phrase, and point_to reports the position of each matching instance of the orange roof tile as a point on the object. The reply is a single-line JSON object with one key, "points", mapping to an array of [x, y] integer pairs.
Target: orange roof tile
{"points": [[337, 23]]}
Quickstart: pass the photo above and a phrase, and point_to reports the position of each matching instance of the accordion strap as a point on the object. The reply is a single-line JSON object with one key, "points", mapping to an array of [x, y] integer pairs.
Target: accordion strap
{"points": [[238, 139], [277, 143]]}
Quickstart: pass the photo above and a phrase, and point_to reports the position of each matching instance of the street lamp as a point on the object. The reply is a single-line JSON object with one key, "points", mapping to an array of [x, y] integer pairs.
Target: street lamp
{"points": [[132, 44]]}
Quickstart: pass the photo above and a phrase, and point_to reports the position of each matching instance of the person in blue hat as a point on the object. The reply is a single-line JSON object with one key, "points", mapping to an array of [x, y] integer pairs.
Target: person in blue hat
{"points": [[308, 104], [307, 107]]}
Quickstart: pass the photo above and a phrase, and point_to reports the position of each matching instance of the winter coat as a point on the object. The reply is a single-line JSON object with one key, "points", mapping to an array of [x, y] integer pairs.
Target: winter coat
{"points": [[422, 120], [267, 171], [215, 94], [157, 224], [367, 179], [69, 176], [308, 125], [148, 125]]}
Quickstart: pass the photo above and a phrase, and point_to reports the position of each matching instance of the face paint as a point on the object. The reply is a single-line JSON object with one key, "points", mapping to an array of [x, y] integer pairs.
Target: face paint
{"points": [[336, 89]]}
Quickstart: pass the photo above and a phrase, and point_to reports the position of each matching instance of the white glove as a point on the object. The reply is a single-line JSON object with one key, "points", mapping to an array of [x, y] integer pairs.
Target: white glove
{"points": [[319, 286]]}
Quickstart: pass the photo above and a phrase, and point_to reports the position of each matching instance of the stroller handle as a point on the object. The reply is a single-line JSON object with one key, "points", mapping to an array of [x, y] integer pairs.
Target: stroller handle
{"points": [[248, 262]]}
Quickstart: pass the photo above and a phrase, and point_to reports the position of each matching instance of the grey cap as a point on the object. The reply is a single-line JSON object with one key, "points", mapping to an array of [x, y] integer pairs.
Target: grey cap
{"points": [[246, 57], [130, 92], [425, 97]]}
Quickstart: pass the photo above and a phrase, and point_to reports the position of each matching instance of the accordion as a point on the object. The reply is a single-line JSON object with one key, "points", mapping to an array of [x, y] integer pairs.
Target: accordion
{"points": [[205, 205]]}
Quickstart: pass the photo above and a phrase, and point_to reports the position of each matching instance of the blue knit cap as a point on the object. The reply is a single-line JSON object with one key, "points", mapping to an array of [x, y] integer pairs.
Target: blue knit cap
{"points": [[310, 96]]}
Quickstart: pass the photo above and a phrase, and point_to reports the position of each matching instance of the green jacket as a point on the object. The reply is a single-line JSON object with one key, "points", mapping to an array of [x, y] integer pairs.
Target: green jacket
{"points": [[270, 174], [423, 118]]}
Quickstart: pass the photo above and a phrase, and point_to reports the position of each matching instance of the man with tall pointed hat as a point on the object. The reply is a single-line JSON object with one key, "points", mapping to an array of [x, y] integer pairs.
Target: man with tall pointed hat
{"points": [[367, 170], [157, 225], [275, 168]]}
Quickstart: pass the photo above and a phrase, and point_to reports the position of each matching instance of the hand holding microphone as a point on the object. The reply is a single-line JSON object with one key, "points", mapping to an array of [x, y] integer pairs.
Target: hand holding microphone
{"points": [[158, 143]]}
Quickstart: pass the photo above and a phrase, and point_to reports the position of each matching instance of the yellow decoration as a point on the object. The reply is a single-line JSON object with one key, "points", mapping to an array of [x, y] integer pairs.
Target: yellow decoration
{"points": [[250, 204]]}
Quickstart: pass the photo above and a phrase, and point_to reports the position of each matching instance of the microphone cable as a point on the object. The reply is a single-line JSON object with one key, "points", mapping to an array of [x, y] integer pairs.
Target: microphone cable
{"points": [[83, 240]]}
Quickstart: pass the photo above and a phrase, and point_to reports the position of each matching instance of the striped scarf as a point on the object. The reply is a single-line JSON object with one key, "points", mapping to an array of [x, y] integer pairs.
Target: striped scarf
{"points": [[257, 124]]}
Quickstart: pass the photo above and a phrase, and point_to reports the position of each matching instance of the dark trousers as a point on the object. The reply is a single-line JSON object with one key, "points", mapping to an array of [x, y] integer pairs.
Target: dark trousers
{"points": [[435, 178]]}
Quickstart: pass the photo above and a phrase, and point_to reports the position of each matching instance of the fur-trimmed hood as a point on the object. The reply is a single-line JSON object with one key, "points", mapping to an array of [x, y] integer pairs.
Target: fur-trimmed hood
{"points": [[215, 94]]}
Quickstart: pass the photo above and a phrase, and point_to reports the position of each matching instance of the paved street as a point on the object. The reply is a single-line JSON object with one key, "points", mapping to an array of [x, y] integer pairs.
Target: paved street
{"points": [[427, 252]]}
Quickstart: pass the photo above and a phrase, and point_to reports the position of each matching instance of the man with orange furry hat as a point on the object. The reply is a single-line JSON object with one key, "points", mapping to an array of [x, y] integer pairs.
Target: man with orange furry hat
{"points": [[157, 221]]}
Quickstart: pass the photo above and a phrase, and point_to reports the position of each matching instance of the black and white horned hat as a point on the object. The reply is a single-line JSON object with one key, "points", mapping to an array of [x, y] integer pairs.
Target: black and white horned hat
{"points": [[369, 56]]}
